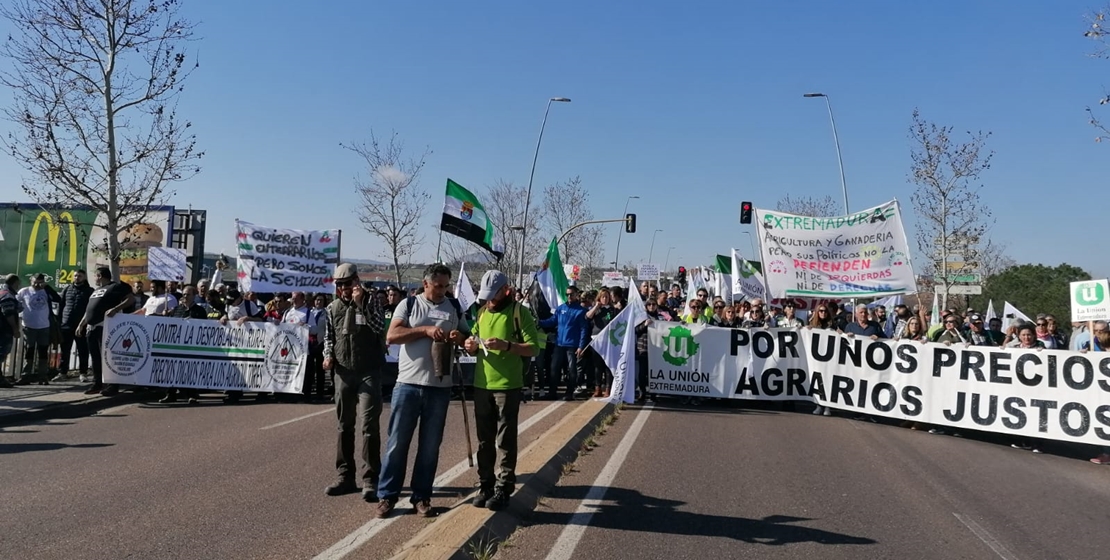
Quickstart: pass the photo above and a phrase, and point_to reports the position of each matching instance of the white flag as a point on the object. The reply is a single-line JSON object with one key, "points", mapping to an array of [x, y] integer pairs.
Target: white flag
{"points": [[990, 311], [464, 290], [746, 280], [616, 344], [936, 309], [1011, 314]]}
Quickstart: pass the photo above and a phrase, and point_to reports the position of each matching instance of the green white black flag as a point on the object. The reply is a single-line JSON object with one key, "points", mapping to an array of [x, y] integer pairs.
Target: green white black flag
{"points": [[465, 217]]}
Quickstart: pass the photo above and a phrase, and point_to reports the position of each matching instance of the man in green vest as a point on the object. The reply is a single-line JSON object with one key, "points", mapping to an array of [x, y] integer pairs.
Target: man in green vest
{"points": [[504, 337]]}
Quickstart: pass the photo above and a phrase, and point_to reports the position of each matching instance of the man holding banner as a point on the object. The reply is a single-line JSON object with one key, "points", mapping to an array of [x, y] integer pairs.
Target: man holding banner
{"points": [[505, 333], [354, 350]]}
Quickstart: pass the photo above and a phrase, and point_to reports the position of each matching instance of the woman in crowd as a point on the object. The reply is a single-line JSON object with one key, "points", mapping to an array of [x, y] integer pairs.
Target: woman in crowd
{"points": [[913, 330], [1042, 333], [822, 318], [1028, 339], [727, 319]]}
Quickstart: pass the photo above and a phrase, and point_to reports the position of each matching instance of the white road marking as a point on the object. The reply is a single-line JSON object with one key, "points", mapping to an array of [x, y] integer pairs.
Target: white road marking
{"points": [[297, 419], [360, 536], [986, 537], [580, 521]]}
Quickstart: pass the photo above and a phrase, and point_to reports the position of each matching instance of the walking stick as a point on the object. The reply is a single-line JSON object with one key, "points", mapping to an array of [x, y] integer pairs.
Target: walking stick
{"points": [[466, 417]]}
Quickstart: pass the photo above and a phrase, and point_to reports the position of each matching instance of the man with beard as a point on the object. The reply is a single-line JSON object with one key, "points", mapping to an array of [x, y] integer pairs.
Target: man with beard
{"points": [[354, 352], [505, 333], [75, 300], [109, 298]]}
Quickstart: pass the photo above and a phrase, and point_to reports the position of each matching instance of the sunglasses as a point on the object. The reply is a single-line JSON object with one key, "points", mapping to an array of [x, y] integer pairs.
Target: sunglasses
{"points": [[696, 307], [344, 283], [718, 306], [822, 310], [1042, 324], [949, 322]]}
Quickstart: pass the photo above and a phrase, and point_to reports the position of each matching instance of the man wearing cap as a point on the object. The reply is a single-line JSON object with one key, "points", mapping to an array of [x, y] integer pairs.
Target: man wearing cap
{"points": [[422, 325], [979, 336], [506, 335], [354, 351]]}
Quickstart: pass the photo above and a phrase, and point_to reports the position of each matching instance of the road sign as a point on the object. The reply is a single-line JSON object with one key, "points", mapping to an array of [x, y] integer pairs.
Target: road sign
{"points": [[649, 272], [965, 278], [966, 290], [1090, 301]]}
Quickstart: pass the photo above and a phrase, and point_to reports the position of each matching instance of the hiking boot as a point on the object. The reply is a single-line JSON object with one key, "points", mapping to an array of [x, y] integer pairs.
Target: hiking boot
{"points": [[483, 496], [385, 507], [423, 508], [341, 487], [370, 495], [498, 501]]}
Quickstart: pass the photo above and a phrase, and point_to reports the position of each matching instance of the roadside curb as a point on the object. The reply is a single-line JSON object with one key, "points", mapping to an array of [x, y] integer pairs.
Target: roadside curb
{"points": [[454, 533], [72, 409]]}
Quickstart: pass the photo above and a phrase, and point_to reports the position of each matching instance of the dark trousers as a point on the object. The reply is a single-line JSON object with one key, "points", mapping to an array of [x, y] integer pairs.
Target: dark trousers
{"points": [[94, 338], [586, 369], [563, 357], [642, 374], [542, 364], [496, 419], [68, 338], [358, 397], [314, 371]]}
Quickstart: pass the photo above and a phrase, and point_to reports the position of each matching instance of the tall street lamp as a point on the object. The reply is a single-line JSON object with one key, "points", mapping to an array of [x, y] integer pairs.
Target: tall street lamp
{"points": [[667, 263], [651, 251], [520, 255], [528, 197], [836, 140], [755, 254], [617, 255]]}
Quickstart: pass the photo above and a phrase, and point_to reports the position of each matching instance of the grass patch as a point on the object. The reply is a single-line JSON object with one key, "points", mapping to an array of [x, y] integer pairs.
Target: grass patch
{"points": [[482, 549]]}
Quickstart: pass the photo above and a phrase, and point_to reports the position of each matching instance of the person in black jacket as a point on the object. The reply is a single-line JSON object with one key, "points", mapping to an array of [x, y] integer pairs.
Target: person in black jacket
{"points": [[75, 300]]}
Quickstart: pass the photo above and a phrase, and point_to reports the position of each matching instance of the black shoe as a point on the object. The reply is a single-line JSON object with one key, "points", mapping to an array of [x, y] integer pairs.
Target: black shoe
{"points": [[25, 380], [169, 398], [4, 384], [193, 400], [482, 498], [370, 495], [568, 398], [341, 487], [498, 500], [110, 391]]}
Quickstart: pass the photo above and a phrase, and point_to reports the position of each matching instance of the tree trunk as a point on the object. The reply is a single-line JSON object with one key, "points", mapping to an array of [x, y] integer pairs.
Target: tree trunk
{"points": [[113, 163]]}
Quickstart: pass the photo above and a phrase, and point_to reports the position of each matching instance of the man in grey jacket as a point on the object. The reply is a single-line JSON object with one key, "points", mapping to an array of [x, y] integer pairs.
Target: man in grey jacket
{"points": [[354, 350]]}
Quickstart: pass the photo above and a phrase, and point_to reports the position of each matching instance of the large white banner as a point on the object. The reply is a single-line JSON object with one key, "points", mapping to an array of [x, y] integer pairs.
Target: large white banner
{"points": [[861, 255], [286, 260], [1044, 394], [203, 354]]}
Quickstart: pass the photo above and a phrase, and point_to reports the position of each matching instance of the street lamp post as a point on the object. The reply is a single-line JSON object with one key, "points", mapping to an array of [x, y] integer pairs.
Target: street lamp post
{"points": [[617, 255], [752, 243], [667, 263], [520, 255], [528, 197], [651, 251], [836, 141]]}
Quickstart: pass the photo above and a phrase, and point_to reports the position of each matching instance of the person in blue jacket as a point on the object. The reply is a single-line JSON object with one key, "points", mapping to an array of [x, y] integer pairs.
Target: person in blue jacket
{"points": [[572, 338]]}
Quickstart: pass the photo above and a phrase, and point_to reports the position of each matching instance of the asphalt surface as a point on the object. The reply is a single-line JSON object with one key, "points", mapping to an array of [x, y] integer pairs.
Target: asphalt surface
{"points": [[723, 482], [178, 481]]}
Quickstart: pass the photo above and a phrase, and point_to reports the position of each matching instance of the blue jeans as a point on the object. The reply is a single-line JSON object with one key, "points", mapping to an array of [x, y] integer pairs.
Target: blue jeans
{"points": [[564, 356], [412, 405]]}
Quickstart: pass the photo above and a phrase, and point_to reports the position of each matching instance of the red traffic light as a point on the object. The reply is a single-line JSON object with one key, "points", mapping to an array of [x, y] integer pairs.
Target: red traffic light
{"points": [[745, 212]]}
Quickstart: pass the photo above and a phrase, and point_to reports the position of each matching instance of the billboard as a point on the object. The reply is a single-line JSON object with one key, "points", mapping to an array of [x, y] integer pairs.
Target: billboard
{"points": [[58, 241]]}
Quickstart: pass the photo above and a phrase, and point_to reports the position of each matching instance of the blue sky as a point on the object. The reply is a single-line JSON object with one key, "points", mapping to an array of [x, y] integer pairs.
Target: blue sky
{"points": [[693, 106]]}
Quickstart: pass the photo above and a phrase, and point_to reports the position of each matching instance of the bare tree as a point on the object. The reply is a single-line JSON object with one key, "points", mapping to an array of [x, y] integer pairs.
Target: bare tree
{"points": [[809, 206], [391, 201], [568, 204], [952, 220], [94, 96], [1096, 31], [992, 258]]}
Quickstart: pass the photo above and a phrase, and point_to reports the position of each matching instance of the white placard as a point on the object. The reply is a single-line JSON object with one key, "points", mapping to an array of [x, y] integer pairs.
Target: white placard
{"points": [[1090, 301], [860, 255], [203, 354], [648, 272], [1051, 394], [166, 263], [613, 278], [286, 260]]}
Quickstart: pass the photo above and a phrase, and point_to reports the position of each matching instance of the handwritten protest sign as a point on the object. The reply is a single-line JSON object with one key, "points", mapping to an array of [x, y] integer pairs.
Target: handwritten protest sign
{"points": [[166, 263], [860, 255], [283, 260]]}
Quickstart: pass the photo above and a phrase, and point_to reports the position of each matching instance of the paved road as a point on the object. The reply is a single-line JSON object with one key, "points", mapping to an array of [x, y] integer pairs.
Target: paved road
{"points": [[211, 481], [731, 483]]}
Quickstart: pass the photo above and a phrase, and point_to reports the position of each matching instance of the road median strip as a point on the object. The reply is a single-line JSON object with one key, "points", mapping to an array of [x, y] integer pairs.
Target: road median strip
{"points": [[454, 533]]}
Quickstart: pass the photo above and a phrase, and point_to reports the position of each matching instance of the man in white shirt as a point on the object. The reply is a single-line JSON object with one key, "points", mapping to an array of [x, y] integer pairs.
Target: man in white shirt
{"points": [[160, 303], [297, 313], [35, 300]]}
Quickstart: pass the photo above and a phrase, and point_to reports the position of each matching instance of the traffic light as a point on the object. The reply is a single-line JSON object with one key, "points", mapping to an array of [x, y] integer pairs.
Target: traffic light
{"points": [[745, 212], [630, 223], [681, 276]]}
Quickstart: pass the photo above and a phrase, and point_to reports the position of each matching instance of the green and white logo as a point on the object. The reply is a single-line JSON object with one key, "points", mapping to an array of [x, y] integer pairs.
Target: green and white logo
{"points": [[616, 333], [679, 346], [1089, 293]]}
